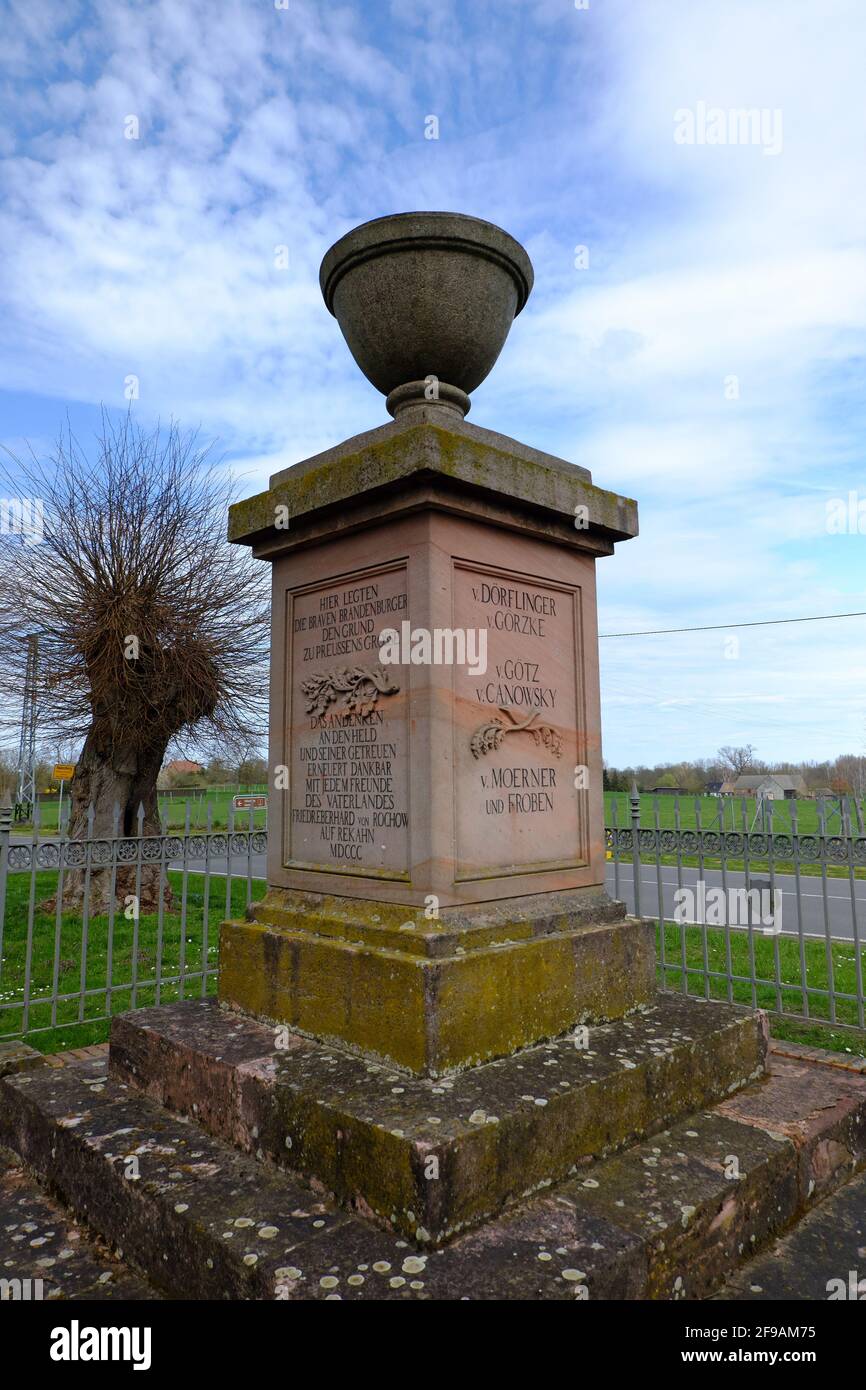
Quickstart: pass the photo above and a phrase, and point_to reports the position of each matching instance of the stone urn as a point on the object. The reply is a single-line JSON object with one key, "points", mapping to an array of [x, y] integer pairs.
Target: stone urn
{"points": [[425, 301]]}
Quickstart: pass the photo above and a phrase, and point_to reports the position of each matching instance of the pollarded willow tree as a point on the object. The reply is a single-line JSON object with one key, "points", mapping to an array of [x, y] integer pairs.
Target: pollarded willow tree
{"points": [[152, 628]]}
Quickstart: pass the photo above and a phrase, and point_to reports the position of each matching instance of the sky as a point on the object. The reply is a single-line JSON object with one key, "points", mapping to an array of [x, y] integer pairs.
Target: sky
{"points": [[703, 353]]}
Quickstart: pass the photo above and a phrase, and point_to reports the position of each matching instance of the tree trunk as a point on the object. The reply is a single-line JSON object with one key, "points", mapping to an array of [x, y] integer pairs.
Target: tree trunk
{"points": [[127, 780]]}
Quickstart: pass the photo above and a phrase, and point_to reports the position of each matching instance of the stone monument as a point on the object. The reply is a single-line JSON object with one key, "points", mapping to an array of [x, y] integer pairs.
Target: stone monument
{"points": [[436, 900], [438, 1046], [436, 860]]}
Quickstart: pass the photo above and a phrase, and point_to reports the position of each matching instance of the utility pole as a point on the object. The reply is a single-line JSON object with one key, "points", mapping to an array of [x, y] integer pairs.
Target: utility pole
{"points": [[25, 795]]}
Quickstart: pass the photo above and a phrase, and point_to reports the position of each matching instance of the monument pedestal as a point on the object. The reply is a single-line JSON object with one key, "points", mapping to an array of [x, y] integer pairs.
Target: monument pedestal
{"points": [[436, 856], [436, 1010], [434, 997]]}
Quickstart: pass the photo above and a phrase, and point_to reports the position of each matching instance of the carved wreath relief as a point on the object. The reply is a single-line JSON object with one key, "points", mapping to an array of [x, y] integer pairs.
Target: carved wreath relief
{"points": [[490, 735], [358, 687]]}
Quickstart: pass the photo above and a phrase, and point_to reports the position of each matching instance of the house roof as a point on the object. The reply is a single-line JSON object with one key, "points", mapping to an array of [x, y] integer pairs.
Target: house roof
{"points": [[183, 765], [786, 780]]}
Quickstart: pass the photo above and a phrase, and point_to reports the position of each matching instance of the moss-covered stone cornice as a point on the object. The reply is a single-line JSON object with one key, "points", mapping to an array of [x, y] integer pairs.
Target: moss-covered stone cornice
{"points": [[427, 447]]}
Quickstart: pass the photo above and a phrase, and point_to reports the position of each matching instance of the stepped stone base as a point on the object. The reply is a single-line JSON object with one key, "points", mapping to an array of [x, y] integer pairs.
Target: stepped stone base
{"points": [[435, 996], [44, 1254], [430, 1158], [671, 1218]]}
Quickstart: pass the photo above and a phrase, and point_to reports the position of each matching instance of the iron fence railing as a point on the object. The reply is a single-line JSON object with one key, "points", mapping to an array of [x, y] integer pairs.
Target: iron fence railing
{"points": [[761, 914], [766, 914], [95, 924]]}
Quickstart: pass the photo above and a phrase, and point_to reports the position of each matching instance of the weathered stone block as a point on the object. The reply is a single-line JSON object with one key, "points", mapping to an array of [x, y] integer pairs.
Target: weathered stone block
{"points": [[701, 1197], [431, 1157], [434, 998], [821, 1108], [17, 1056]]}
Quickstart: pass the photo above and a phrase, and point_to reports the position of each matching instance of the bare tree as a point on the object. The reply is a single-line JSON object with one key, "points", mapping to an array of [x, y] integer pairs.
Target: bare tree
{"points": [[151, 626], [736, 760]]}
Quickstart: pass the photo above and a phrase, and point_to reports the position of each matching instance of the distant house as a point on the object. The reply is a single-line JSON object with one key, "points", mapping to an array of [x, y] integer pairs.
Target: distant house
{"points": [[767, 786], [668, 791], [713, 788], [180, 767]]}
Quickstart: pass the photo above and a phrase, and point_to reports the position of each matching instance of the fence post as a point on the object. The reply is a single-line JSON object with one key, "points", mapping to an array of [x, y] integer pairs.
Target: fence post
{"points": [[635, 844]]}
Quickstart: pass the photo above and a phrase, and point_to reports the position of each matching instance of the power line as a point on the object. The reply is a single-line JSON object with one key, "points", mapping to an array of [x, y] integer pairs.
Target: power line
{"points": [[726, 627]]}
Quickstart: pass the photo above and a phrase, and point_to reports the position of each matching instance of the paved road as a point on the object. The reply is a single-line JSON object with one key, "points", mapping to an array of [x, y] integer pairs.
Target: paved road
{"points": [[839, 914]]}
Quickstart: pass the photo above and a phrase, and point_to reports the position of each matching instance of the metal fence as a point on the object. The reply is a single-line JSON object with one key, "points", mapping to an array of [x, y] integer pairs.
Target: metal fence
{"points": [[758, 913], [95, 925], [761, 913]]}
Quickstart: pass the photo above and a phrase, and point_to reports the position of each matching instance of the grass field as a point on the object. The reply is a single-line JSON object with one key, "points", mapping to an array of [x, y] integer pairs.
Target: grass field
{"points": [[174, 811], [134, 954], [133, 950], [710, 809]]}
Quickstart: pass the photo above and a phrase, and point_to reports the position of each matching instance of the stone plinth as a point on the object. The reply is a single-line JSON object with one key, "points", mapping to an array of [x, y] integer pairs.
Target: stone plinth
{"points": [[437, 996], [429, 1159]]}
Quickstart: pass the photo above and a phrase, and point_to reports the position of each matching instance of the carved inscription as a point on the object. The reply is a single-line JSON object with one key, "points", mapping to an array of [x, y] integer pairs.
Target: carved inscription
{"points": [[349, 805], [516, 737]]}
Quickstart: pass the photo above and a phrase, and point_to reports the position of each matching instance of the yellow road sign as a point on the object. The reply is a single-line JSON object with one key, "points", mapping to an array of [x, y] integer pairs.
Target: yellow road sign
{"points": [[63, 772]]}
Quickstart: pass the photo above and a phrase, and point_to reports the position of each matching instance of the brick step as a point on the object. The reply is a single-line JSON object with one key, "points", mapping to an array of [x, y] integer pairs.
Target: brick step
{"points": [[669, 1218], [432, 1157]]}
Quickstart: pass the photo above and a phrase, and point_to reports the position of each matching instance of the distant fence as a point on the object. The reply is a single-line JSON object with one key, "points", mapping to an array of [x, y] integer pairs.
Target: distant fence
{"points": [[77, 943], [765, 914]]}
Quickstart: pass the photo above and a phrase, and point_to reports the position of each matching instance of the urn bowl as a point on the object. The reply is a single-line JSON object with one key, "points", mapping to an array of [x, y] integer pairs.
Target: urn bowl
{"points": [[425, 301]]}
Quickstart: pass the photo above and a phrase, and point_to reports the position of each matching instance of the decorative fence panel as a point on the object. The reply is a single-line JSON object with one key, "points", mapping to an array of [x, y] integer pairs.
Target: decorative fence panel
{"points": [[759, 916], [92, 926]]}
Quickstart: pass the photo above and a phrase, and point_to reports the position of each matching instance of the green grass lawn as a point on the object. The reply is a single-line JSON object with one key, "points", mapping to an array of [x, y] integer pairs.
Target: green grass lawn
{"points": [[775, 958], [710, 808], [174, 811], [133, 951]]}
